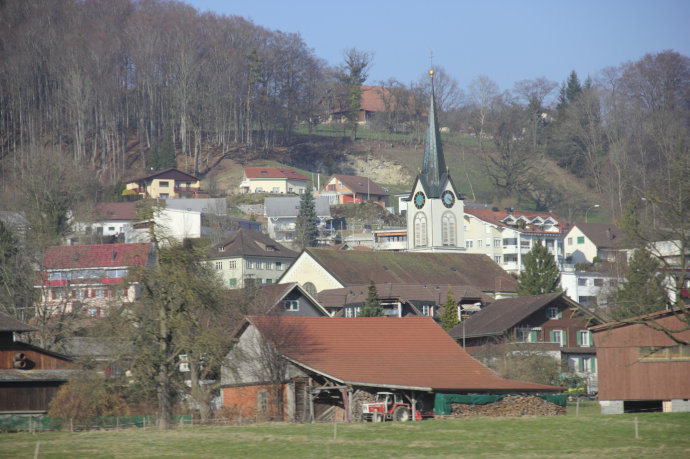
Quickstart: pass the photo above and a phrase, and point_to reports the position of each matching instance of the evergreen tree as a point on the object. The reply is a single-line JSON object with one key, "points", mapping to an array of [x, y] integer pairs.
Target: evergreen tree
{"points": [[541, 273], [352, 75], [372, 306], [643, 291], [449, 319], [306, 231], [168, 156]]}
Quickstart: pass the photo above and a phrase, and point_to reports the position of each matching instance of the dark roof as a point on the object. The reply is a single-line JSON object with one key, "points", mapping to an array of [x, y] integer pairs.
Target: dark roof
{"points": [[603, 235], [250, 243], [116, 210], [501, 315], [408, 352], [273, 173], [172, 174], [97, 256], [353, 267], [361, 185], [416, 293], [10, 324], [270, 295]]}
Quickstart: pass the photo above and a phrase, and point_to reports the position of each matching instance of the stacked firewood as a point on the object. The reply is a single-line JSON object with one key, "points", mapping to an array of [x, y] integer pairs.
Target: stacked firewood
{"points": [[516, 405], [358, 398]]}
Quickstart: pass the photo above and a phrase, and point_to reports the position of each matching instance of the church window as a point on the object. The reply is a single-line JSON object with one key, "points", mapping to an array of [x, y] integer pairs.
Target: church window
{"points": [[420, 230], [448, 229]]}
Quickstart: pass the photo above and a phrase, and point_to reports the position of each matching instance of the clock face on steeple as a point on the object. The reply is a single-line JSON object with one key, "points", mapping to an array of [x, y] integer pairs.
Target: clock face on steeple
{"points": [[419, 200], [448, 198]]}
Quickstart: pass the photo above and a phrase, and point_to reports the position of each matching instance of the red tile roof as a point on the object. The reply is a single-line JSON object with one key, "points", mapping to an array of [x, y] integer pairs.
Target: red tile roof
{"points": [[97, 256], [495, 216], [272, 173], [401, 353]]}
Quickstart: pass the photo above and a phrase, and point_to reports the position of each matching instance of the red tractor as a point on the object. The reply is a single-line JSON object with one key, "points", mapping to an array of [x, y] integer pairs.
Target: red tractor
{"points": [[388, 406]]}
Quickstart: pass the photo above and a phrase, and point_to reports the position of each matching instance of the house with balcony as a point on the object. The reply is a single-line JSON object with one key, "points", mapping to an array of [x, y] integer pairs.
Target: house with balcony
{"points": [[250, 256], [90, 277], [593, 288], [281, 217], [394, 239], [551, 324], [344, 189], [506, 235], [586, 241], [273, 180], [168, 183]]}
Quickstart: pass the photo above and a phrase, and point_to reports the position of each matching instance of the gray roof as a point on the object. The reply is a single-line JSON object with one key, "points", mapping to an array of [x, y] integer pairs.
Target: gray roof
{"points": [[603, 235], [9, 324], [36, 375], [216, 206], [250, 243], [289, 207]]}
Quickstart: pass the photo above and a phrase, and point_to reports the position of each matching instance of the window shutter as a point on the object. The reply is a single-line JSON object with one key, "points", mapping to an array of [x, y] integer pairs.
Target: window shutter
{"points": [[593, 364], [590, 339], [533, 337], [551, 338], [560, 314], [579, 338], [564, 338], [580, 364]]}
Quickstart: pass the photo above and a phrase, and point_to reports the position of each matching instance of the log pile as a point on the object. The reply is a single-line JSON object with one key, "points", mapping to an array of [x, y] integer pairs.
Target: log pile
{"points": [[517, 405], [358, 398]]}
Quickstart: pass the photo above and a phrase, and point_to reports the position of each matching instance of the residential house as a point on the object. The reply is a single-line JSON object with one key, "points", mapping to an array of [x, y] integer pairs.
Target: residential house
{"points": [[29, 376], [89, 277], [323, 269], [552, 324], [281, 215], [401, 300], [331, 365], [168, 183], [272, 180], [344, 189], [287, 300], [507, 235], [641, 368], [250, 256], [111, 222], [169, 223], [394, 239], [586, 241], [594, 288]]}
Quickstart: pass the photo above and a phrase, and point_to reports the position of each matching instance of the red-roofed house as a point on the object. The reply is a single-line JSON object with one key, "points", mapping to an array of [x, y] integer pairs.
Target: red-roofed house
{"points": [[341, 361], [343, 189], [507, 235], [272, 180], [168, 183], [89, 276]]}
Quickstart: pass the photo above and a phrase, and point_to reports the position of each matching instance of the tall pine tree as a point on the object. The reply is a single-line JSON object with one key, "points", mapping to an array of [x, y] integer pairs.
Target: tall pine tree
{"points": [[372, 305], [306, 231], [449, 318], [541, 274]]}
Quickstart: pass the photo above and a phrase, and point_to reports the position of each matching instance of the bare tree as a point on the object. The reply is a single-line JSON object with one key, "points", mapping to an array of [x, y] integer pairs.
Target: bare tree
{"points": [[482, 95]]}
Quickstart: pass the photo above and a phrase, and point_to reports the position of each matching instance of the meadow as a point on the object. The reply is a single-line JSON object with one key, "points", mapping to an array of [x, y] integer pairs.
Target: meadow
{"points": [[586, 435]]}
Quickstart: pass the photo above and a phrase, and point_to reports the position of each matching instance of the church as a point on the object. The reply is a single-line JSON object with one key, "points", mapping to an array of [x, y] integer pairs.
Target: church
{"points": [[435, 210]]}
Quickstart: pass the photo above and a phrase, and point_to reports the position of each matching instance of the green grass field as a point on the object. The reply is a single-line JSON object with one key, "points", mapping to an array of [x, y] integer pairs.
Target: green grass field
{"points": [[587, 435]]}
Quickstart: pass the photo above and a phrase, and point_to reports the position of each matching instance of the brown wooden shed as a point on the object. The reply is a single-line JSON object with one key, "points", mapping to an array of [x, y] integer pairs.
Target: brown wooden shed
{"points": [[641, 368]]}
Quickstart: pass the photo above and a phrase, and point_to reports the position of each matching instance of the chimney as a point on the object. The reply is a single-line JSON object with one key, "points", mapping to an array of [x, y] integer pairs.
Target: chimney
{"points": [[113, 255], [608, 233]]}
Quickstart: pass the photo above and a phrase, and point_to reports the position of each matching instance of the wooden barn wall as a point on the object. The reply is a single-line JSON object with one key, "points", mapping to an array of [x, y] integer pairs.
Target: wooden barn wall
{"points": [[40, 360], [24, 396], [623, 376]]}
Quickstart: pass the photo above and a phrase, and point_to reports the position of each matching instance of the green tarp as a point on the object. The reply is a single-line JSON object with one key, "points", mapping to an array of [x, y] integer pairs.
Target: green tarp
{"points": [[442, 401]]}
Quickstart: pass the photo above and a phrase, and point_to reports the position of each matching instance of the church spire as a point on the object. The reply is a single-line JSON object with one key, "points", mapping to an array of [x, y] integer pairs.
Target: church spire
{"points": [[434, 169]]}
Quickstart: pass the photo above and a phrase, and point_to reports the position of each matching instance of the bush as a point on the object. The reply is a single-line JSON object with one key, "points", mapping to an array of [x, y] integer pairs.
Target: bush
{"points": [[86, 398]]}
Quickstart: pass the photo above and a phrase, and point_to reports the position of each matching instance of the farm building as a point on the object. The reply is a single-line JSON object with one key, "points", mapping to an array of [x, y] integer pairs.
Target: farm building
{"points": [[29, 376], [641, 368], [316, 368]]}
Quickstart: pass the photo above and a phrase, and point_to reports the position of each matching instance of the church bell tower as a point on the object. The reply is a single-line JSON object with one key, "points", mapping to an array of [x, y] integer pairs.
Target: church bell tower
{"points": [[435, 210]]}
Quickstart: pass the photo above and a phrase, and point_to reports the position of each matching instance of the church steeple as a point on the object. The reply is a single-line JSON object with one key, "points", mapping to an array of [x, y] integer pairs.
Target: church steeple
{"points": [[434, 170]]}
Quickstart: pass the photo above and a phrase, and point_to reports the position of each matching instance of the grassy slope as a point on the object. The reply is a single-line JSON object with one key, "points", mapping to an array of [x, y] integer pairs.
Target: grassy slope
{"points": [[661, 434], [467, 168]]}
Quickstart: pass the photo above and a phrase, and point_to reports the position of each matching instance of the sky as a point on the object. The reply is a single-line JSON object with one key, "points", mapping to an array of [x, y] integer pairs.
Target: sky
{"points": [[508, 41]]}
